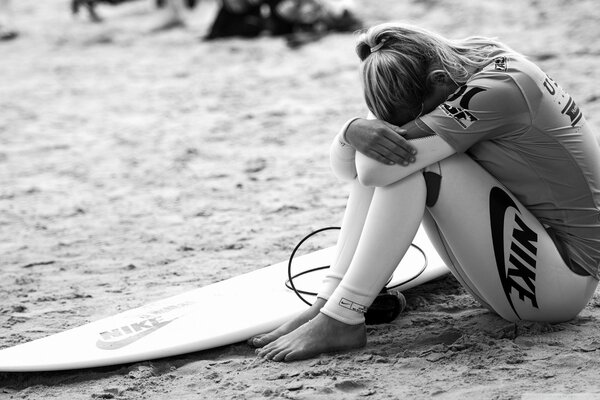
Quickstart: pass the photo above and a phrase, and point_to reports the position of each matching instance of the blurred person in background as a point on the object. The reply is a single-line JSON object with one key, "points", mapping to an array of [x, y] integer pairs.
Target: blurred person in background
{"points": [[174, 13], [172, 16], [299, 21], [7, 28]]}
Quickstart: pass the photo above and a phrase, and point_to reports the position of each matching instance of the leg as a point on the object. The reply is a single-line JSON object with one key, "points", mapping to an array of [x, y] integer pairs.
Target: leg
{"points": [[7, 29], [443, 249], [500, 251], [392, 221], [90, 5], [352, 227]]}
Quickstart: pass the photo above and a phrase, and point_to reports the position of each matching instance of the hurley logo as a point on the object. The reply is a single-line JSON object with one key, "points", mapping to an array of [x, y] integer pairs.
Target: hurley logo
{"points": [[460, 113], [519, 272], [128, 334], [463, 117]]}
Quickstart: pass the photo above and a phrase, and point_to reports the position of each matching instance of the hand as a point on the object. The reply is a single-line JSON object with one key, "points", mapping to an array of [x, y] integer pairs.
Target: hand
{"points": [[380, 141]]}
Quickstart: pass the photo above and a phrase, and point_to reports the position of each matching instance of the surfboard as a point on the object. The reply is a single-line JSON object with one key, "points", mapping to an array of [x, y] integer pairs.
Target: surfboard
{"points": [[219, 314]]}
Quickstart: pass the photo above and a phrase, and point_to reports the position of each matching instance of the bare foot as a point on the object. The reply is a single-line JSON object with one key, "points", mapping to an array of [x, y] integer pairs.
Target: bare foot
{"points": [[319, 335], [263, 340]]}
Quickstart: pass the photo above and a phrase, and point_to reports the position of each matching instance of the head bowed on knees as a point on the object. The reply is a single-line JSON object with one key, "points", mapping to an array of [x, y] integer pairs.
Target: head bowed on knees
{"points": [[401, 65]]}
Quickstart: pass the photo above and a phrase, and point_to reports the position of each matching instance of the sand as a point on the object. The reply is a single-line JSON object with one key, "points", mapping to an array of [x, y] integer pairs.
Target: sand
{"points": [[135, 166]]}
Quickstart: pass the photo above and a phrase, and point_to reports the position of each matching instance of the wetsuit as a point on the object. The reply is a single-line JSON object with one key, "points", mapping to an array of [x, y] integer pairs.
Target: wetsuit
{"points": [[515, 217]]}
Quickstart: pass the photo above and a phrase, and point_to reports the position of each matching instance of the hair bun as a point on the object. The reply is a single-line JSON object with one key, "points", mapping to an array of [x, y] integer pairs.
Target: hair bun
{"points": [[363, 50]]}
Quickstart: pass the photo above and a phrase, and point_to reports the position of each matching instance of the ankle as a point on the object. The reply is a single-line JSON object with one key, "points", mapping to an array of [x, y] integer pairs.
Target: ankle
{"points": [[340, 333], [337, 324], [318, 304]]}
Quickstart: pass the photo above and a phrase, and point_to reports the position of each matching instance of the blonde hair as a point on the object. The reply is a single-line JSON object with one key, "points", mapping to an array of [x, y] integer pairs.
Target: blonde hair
{"points": [[397, 58]]}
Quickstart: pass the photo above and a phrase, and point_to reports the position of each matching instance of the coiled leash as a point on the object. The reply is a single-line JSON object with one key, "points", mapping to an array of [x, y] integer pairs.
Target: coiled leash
{"points": [[387, 305]]}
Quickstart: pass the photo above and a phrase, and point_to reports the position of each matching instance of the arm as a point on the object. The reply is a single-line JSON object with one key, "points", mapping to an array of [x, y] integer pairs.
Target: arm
{"points": [[342, 155], [378, 165], [430, 147], [374, 138], [489, 107]]}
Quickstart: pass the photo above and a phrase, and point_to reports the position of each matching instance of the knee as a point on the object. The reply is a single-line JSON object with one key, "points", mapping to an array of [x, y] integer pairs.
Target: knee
{"points": [[372, 179], [413, 185]]}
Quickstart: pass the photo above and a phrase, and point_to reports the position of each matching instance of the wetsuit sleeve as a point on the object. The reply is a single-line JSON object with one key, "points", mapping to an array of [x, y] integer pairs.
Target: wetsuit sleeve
{"points": [[342, 155], [430, 149], [492, 106], [348, 164]]}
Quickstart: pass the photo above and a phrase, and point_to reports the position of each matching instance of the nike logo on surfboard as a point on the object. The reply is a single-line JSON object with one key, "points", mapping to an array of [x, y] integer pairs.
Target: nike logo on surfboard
{"points": [[132, 333]]}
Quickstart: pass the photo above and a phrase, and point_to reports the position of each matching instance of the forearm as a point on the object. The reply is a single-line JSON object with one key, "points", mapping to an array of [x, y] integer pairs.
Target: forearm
{"points": [[342, 155], [430, 149], [347, 163]]}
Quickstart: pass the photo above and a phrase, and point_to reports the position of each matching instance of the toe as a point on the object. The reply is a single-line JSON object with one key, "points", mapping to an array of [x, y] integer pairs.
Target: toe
{"points": [[263, 340], [261, 352], [281, 355], [266, 350], [295, 355], [256, 341], [272, 354]]}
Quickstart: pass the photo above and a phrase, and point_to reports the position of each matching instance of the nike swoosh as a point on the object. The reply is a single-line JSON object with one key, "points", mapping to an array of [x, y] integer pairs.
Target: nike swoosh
{"points": [[500, 201], [345, 303], [118, 344]]}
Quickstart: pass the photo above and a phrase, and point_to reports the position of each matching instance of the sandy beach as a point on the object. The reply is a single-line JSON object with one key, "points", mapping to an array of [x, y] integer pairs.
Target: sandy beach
{"points": [[136, 166]]}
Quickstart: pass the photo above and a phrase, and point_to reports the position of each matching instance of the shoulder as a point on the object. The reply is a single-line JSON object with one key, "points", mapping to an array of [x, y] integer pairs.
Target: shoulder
{"points": [[509, 78], [491, 104], [503, 86]]}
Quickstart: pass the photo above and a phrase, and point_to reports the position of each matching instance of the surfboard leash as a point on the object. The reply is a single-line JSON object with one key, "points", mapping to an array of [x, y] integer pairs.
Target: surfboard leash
{"points": [[290, 282], [387, 305]]}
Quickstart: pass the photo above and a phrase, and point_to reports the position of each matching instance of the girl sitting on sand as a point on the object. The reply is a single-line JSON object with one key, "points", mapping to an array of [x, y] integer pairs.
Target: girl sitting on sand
{"points": [[492, 156]]}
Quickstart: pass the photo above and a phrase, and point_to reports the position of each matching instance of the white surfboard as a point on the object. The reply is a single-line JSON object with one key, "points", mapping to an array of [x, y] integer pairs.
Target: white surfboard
{"points": [[219, 314]]}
